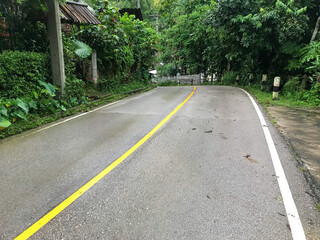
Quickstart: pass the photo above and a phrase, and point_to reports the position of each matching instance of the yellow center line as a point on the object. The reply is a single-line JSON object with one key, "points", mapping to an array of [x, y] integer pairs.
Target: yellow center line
{"points": [[54, 212]]}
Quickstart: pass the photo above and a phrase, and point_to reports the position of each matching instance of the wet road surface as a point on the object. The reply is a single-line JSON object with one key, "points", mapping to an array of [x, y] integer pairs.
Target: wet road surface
{"points": [[205, 174]]}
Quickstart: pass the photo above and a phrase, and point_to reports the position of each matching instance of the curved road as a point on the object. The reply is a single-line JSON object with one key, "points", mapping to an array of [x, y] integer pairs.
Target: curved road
{"points": [[206, 173]]}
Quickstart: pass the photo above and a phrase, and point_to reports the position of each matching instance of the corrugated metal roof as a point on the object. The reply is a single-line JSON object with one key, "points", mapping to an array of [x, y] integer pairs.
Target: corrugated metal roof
{"points": [[73, 12]]}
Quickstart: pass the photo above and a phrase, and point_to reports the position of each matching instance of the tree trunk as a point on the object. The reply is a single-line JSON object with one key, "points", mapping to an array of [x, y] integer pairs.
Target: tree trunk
{"points": [[315, 31]]}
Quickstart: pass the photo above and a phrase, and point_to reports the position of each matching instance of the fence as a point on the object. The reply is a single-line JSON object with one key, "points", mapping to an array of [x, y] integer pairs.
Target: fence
{"points": [[184, 79]]}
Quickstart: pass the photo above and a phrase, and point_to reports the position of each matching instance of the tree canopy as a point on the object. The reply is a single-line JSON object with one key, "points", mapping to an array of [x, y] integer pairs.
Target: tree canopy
{"points": [[244, 36]]}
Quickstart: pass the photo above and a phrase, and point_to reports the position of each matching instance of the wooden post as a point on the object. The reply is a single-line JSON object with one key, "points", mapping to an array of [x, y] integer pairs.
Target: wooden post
{"points": [[94, 67], [263, 82], [276, 86], [56, 46]]}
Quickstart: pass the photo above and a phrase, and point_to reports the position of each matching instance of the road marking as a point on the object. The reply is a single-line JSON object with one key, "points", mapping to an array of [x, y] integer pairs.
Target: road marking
{"points": [[291, 209], [54, 212]]}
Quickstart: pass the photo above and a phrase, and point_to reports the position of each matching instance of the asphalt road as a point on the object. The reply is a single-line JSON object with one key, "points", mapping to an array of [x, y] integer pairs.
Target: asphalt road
{"points": [[190, 180]]}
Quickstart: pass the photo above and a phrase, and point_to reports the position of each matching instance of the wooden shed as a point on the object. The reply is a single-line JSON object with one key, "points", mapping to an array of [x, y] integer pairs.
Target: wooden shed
{"points": [[74, 13]]}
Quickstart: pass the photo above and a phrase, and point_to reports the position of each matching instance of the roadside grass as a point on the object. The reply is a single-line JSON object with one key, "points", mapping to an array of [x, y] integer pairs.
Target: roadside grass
{"points": [[265, 99], [36, 120], [123, 88]]}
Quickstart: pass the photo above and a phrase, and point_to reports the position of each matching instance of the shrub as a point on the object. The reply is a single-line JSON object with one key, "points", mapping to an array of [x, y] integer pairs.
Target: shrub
{"points": [[75, 91], [167, 70], [292, 86], [313, 96], [20, 73], [229, 78]]}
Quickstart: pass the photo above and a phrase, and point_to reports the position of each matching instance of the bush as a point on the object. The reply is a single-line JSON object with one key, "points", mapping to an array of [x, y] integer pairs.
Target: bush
{"points": [[20, 72], [292, 86], [313, 96], [167, 70], [229, 78], [75, 91]]}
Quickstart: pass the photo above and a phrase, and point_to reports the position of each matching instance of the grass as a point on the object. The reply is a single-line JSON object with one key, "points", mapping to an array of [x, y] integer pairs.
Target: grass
{"points": [[302, 168], [36, 121], [265, 99], [318, 207], [127, 87]]}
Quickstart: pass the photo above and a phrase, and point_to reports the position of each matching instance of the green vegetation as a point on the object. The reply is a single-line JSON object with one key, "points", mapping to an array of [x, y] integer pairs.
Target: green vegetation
{"points": [[299, 99], [238, 41], [125, 50], [318, 207], [20, 73], [36, 120], [246, 39]]}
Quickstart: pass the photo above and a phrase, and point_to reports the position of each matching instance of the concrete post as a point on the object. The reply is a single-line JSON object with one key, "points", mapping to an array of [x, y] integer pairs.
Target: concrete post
{"points": [[94, 66], [304, 82], [276, 86], [250, 78], [56, 46], [263, 82]]}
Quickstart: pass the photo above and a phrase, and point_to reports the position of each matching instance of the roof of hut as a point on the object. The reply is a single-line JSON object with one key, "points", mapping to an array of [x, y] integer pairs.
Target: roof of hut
{"points": [[77, 13]]}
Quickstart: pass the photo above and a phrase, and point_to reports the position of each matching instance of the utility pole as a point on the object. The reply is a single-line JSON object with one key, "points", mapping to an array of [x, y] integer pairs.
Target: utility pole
{"points": [[157, 21], [56, 45]]}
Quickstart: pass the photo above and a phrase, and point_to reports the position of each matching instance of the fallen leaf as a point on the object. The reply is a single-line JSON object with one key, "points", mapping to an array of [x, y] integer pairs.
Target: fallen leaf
{"points": [[248, 156]]}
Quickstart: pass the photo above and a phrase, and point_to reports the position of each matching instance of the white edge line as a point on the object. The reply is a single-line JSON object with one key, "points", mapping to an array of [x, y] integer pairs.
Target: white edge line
{"points": [[291, 209], [74, 117]]}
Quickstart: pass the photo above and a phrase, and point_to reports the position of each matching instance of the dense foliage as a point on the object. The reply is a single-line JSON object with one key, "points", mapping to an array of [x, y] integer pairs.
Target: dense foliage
{"points": [[238, 38], [242, 36], [20, 73], [125, 48]]}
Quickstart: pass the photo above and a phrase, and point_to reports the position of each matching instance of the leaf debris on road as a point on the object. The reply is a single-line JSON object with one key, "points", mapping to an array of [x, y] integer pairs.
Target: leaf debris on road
{"points": [[248, 156]]}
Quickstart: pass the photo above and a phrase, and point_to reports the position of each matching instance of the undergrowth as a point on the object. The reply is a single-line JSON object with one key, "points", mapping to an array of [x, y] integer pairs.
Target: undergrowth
{"points": [[265, 99]]}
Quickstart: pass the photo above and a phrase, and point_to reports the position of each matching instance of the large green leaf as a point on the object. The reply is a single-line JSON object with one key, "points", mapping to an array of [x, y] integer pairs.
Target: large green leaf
{"points": [[3, 111], [50, 88], [20, 114], [81, 49], [23, 105], [4, 123]]}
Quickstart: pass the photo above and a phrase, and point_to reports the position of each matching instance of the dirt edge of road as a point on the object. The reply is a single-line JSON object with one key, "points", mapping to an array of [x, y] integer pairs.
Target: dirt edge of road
{"points": [[282, 128]]}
